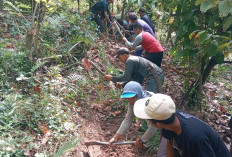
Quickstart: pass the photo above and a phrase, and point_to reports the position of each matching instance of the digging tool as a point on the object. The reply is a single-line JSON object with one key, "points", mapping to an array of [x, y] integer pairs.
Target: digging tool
{"points": [[90, 143], [87, 63]]}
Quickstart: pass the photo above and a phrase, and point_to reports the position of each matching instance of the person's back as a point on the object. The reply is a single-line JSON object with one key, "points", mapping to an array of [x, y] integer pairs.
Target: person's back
{"points": [[100, 6], [146, 27], [146, 18], [150, 44], [197, 139]]}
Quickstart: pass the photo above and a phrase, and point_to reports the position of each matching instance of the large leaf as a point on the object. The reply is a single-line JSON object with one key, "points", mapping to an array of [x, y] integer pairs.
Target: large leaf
{"points": [[227, 23], [198, 2], [203, 37], [223, 46], [219, 58], [208, 4], [225, 7], [211, 49]]}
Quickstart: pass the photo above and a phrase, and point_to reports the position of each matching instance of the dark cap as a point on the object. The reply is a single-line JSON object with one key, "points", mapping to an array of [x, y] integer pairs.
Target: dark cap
{"points": [[142, 10], [121, 51], [132, 16]]}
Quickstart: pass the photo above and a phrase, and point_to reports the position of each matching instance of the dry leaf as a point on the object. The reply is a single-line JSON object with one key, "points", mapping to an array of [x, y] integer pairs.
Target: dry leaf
{"points": [[115, 113], [46, 137], [86, 64], [108, 108]]}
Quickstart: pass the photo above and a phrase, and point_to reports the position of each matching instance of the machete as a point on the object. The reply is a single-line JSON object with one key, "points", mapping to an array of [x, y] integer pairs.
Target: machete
{"points": [[89, 143]]}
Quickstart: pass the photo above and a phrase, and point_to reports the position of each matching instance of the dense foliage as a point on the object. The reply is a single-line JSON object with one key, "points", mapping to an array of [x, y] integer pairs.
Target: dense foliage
{"points": [[202, 40]]}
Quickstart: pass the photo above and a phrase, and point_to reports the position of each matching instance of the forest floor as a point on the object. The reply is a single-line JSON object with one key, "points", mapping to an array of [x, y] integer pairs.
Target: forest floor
{"points": [[98, 124]]}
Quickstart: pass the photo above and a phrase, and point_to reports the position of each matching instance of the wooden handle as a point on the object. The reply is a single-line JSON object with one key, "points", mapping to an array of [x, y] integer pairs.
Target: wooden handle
{"points": [[107, 143]]}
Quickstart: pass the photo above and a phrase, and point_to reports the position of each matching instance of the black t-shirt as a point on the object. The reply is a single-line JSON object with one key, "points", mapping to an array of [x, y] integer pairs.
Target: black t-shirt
{"points": [[100, 6], [197, 139]]}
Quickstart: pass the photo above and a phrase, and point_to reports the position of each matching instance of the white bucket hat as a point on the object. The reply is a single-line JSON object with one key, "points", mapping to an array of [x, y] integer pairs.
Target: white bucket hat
{"points": [[158, 107]]}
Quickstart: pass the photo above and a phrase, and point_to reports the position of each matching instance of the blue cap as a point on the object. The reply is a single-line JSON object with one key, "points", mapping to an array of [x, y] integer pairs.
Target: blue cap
{"points": [[128, 95]]}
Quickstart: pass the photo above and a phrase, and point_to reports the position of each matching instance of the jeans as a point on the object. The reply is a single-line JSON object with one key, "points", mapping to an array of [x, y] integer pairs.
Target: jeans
{"points": [[152, 85]]}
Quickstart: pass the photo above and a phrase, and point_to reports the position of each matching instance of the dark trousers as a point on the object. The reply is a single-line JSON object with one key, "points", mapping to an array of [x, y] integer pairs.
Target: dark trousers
{"points": [[97, 19], [155, 57]]}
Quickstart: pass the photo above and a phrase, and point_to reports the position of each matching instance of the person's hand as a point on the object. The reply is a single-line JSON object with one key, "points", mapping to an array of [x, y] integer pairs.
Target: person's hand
{"points": [[115, 138], [124, 39], [127, 31], [118, 85], [108, 77], [139, 143]]}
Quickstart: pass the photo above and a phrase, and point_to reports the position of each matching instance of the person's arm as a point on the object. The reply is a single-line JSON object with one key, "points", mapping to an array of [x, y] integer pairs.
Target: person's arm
{"points": [[138, 48], [126, 76], [169, 150], [126, 123], [149, 133], [107, 16], [124, 126], [137, 41]]}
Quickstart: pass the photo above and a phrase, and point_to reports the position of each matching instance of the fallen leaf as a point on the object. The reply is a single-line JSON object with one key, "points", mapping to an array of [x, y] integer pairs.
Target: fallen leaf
{"points": [[115, 113], [86, 64], [108, 108], [46, 137]]}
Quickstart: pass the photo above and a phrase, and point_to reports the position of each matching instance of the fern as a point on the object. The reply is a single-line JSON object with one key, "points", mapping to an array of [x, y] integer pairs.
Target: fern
{"points": [[37, 65], [66, 147]]}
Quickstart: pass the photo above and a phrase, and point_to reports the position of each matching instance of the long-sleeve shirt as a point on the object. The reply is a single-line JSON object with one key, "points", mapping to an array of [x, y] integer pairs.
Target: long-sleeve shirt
{"points": [[128, 121], [134, 65], [145, 41], [146, 27], [147, 19]]}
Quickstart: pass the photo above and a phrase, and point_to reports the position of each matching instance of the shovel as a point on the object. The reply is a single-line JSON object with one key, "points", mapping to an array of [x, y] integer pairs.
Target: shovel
{"points": [[90, 143]]}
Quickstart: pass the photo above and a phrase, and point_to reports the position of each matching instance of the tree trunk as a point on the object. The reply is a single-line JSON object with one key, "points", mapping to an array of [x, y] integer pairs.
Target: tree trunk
{"points": [[78, 2], [90, 4], [123, 9], [208, 69], [196, 86], [41, 17]]}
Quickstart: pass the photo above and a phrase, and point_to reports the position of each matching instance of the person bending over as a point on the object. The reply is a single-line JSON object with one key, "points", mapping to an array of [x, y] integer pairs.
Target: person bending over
{"points": [[144, 40], [187, 136], [100, 10], [137, 65]]}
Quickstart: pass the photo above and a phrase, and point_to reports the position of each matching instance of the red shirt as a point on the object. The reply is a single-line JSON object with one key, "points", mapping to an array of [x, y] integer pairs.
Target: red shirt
{"points": [[150, 44]]}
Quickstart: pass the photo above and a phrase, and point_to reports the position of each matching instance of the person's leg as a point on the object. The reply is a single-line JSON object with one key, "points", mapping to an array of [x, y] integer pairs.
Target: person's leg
{"points": [[97, 19], [138, 53], [230, 125], [151, 85], [155, 58]]}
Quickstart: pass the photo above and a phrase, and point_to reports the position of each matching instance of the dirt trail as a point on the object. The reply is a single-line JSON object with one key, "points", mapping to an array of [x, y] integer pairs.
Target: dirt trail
{"points": [[99, 126]]}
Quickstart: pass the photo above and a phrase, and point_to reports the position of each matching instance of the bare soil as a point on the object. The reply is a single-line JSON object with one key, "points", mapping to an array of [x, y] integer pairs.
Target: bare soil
{"points": [[98, 125]]}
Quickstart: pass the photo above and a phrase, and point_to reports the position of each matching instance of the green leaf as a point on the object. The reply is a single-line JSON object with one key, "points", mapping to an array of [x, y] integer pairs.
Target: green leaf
{"points": [[67, 146], [227, 23], [224, 8], [198, 2], [203, 37], [210, 49], [208, 4], [223, 46], [219, 58]]}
